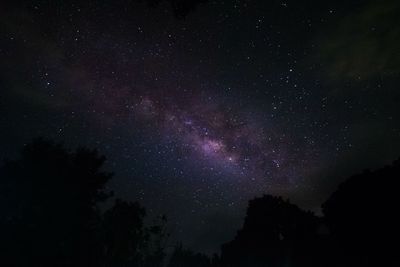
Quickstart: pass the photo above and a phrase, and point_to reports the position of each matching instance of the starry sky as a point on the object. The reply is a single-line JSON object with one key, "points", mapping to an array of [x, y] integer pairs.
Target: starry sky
{"points": [[200, 106]]}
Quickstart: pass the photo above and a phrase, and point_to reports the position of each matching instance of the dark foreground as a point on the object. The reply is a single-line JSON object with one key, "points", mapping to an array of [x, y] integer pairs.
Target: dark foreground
{"points": [[50, 216]]}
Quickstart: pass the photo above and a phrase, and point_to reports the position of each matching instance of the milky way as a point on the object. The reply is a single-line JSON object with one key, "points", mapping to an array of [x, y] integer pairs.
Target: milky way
{"points": [[222, 138]]}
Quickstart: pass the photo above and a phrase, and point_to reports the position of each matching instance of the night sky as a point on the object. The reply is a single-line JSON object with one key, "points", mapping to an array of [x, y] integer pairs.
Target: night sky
{"points": [[200, 107]]}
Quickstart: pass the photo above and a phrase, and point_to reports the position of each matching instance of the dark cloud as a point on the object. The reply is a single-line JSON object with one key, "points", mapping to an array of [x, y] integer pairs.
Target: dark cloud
{"points": [[363, 44]]}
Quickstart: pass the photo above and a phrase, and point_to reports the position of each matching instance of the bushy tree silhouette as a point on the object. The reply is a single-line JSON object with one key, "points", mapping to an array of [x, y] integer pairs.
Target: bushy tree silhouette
{"points": [[50, 216], [359, 228], [123, 225], [156, 238], [364, 219], [275, 233], [182, 257], [48, 202], [127, 241]]}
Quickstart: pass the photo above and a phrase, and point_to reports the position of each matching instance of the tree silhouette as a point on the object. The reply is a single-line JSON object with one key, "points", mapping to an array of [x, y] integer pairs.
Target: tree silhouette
{"points": [[50, 216], [275, 233], [364, 220], [182, 257], [123, 225], [156, 238], [48, 201]]}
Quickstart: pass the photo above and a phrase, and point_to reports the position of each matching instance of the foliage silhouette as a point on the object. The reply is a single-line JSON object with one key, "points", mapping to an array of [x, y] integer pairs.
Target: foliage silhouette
{"points": [[359, 227], [275, 233], [182, 257], [364, 220], [50, 216], [123, 225], [127, 242], [48, 200]]}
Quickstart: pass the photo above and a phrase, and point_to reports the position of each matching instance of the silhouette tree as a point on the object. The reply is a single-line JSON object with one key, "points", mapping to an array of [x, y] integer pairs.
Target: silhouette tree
{"points": [[127, 241], [156, 237], [363, 217], [123, 226], [275, 233], [182, 257], [50, 216], [48, 206]]}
